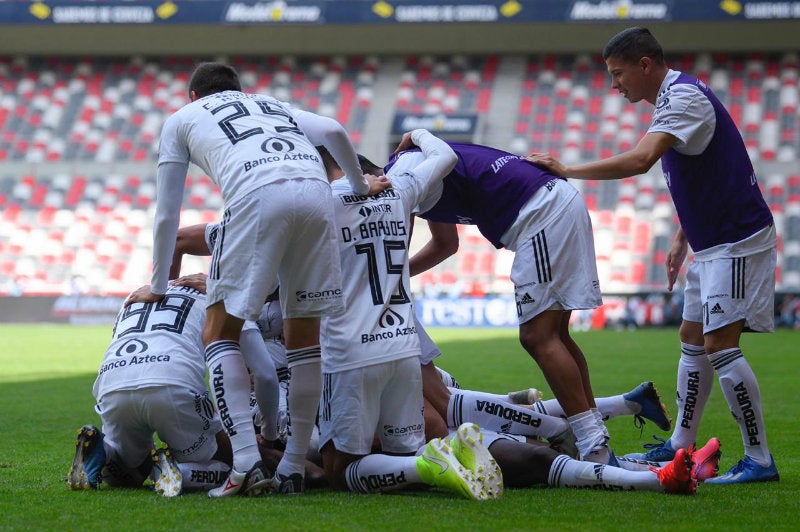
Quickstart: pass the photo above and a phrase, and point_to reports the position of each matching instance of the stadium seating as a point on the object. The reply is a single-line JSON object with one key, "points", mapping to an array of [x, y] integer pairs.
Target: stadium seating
{"points": [[79, 135]]}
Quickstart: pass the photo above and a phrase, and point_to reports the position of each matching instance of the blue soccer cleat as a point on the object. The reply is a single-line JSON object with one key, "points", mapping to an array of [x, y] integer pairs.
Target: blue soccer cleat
{"points": [[657, 452], [651, 406], [747, 470], [90, 458]]}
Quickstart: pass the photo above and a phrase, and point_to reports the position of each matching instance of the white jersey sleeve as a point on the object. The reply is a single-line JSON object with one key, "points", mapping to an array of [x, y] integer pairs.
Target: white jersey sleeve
{"points": [[684, 112], [327, 132], [424, 173], [171, 180], [156, 344]]}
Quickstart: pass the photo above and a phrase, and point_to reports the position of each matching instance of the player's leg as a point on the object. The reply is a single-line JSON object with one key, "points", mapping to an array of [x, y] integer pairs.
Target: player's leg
{"points": [[695, 377], [736, 293], [501, 416], [751, 299], [437, 400], [310, 287], [305, 384], [265, 380], [186, 421], [541, 338], [128, 438], [352, 412], [230, 383]]}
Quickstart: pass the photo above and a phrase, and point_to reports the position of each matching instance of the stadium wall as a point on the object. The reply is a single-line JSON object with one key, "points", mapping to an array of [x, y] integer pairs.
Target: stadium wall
{"points": [[502, 38]]}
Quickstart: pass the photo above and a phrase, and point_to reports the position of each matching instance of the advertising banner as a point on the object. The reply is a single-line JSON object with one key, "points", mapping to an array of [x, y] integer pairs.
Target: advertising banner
{"points": [[246, 12]]}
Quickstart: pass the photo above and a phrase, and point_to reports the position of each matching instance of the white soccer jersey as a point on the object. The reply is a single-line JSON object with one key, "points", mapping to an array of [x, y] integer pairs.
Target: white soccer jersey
{"points": [[373, 236], [242, 141], [156, 344]]}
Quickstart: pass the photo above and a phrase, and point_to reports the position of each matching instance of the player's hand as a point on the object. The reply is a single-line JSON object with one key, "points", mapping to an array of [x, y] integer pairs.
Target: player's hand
{"points": [[675, 257], [377, 183], [142, 295], [549, 162], [405, 143], [195, 280]]}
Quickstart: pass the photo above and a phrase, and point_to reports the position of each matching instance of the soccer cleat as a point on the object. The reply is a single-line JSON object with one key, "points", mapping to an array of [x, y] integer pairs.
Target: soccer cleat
{"points": [[706, 460], [676, 476], [167, 478], [565, 443], [439, 466], [527, 396], [747, 470], [294, 484], [651, 406], [469, 449], [90, 457], [657, 452], [254, 482]]}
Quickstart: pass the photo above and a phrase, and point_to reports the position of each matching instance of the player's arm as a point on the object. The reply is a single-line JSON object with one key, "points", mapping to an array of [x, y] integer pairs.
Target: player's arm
{"points": [[170, 182], [440, 159], [324, 131], [443, 243], [630, 163], [676, 256], [191, 240]]}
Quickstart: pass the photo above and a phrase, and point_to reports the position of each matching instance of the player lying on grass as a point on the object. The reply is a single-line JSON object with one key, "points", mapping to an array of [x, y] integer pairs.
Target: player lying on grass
{"points": [[539, 419]]}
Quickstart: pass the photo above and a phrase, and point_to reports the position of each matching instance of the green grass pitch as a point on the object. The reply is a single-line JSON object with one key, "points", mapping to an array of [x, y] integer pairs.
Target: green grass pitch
{"points": [[46, 374]]}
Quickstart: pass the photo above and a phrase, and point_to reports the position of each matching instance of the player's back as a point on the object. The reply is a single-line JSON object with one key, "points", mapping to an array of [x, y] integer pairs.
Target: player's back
{"points": [[373, 234], [156, 344], [242, 141]]}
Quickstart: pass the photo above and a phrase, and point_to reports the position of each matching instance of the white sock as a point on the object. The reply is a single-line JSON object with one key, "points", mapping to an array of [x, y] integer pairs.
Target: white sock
{"points": [[740, 387], [203, 476], [377, 473], [568, 473], [305, 387], [591, 441], [695, 380], [500, 416], [230, 384], [265, 380]]}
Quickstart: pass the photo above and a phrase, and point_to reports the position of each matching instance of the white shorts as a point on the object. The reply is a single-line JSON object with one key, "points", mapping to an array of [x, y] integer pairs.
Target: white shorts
{"points": [[183, 419], [723, 291], [554, 265], [383, 400], [428, 348], [282, 233]]}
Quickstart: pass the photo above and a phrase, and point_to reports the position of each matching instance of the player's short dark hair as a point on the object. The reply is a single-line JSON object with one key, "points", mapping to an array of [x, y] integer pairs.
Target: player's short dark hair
{"points": [[632, 44], [211, 78], [368, 167]]}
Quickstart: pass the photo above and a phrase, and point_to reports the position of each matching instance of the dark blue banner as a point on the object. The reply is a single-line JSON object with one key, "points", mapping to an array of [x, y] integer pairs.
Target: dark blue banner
{"points": [[447, 126], [388, 12]]}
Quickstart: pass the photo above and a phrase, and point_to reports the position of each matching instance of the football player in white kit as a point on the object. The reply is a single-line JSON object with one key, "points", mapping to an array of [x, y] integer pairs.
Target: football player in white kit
{"points": [[153, 379], [372, 386], [277, 229]]}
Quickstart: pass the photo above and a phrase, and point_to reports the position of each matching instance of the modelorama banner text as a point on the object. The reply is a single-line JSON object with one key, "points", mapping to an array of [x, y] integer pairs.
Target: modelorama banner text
{"points": [[384, 11]]}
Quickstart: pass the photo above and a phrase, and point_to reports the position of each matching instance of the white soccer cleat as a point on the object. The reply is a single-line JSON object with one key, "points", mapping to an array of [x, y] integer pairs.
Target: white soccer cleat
{"points": [[166, 475]]}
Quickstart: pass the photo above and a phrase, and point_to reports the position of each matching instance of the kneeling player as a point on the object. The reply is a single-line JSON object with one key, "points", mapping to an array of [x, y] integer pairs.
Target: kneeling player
{"points": [[152, 380]]}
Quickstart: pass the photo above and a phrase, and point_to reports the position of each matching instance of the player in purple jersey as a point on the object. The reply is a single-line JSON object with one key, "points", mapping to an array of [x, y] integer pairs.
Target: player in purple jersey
{"points": [[723, 217], [544, 220]]}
